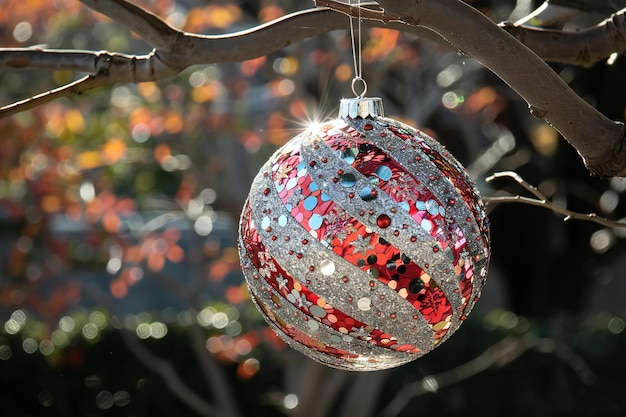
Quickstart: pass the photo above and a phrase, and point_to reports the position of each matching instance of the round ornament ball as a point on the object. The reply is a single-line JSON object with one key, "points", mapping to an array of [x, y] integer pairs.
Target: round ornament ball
{"points": [[363, 241]]}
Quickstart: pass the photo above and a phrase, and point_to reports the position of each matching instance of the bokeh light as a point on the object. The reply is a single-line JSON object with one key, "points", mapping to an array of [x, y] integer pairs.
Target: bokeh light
{"points": [[117, 208]]}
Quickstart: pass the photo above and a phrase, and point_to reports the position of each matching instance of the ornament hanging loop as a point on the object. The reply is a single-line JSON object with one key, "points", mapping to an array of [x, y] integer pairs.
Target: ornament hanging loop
{"points": [[359, 86], [359, 83]]}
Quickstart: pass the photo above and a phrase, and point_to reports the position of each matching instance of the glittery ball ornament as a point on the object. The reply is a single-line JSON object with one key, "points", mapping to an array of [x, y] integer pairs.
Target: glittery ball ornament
{"points": [[364, 243]]}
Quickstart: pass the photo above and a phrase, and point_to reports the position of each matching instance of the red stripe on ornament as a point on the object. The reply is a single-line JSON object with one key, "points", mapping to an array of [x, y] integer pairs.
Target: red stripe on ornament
{"points": [[411, 194], [349, 239], [451, 169], [304, 299]]}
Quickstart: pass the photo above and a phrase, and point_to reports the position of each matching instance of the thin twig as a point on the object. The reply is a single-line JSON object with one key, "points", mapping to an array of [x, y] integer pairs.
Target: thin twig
{"points": [[502, 353], [498, 355], [163, 368], [542, 201], [76, 87], [568, 356], [518, 178], [168, 375], [218, 383]]}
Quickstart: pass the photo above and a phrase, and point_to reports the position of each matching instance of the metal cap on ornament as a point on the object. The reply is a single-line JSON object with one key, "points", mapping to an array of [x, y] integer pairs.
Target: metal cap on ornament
{"points": [[363, 107]]}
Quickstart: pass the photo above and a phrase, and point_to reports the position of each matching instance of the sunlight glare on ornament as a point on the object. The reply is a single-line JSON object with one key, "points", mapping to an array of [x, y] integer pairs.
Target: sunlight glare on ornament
{"points": [[313, 126]]}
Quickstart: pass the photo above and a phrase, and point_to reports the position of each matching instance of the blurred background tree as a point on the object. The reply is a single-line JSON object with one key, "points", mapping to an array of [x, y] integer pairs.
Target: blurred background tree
{"points": [[120, 286]]}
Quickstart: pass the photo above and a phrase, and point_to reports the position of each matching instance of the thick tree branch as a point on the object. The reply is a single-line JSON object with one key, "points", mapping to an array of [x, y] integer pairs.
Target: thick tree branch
{"points": [[106, 68], [598, 140], [354, 10], [275, 35], [150, 27], [585, 47], [174, 50], [55, 59]]}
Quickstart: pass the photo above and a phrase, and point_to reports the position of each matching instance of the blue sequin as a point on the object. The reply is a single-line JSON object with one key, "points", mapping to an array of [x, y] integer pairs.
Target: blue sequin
{"points": [[282, 220], [310, 203], [384, 172], [315, 222], [348, 180], [432, 207]]}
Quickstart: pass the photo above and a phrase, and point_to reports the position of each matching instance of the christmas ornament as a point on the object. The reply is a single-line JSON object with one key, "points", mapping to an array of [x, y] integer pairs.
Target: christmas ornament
{"points": [[364, 243]]}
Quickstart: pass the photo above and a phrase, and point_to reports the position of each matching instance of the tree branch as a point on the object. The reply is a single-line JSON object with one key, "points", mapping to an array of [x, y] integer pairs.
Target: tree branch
{"points": [[184, 49], [542, 201], [261, 40], [214, 376], [174, 50], [163, 368], [355, 11], [498, 355], [90, 62], [585, 47], [598, 140], [76, 87], [150, 27], [168, 375], [502, 353], [106, 68], [518, 178]]}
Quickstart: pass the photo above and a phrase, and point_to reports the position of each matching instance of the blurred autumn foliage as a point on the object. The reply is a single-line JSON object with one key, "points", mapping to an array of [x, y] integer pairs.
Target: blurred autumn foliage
{"points": [[118, 213]]}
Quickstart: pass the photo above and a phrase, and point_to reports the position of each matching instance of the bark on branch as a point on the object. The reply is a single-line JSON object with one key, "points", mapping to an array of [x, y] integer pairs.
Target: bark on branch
{"points": [[598, 140], [150, 27], [585, 47], [174, 50]]}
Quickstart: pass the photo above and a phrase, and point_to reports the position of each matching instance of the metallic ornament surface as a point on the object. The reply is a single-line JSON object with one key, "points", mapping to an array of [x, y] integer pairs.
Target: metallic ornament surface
{"points": [[364, 243]]}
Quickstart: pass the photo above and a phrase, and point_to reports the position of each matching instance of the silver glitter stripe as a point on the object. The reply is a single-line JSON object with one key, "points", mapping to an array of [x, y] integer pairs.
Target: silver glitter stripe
{"points": [[440, 267], [422, 170], [330, 337], [331, 288]]}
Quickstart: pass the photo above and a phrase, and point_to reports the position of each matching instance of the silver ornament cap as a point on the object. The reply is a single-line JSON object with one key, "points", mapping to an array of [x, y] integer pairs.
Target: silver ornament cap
{"points": [[363, 107]]}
